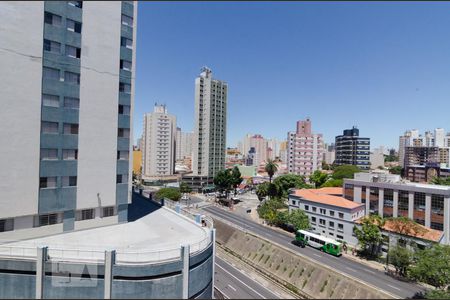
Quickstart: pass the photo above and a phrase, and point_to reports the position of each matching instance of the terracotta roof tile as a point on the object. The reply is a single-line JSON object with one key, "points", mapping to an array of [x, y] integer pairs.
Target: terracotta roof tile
{"points": [[331, 190], [324, 198]]}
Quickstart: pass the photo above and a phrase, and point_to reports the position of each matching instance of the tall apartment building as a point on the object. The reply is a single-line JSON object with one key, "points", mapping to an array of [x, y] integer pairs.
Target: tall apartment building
{"points": [[209, 143], [274, 146], [67, 101], [329, 153], [377, 157], [407, 139], [305, 150], [158, 155], [183, 144], [351, 149], [283, 151], [260, 145]]}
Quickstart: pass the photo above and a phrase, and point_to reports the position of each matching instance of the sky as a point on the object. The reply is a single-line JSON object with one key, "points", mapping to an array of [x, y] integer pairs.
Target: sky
{"points": [[381, 66]]}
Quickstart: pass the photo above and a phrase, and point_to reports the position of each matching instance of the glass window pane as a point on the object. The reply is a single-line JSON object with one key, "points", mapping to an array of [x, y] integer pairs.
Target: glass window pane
{"points": [[50, 73], [72, 78], [50, 100], [70, 102], [49, 154], [49, 127], [126, 20]]}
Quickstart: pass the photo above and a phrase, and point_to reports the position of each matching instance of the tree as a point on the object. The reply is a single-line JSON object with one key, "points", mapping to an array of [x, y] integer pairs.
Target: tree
{"points": [[333, 183], [325, 166], [288, 181], [344, 171], [405, 226], [437, 294], [318, 178], [400, 257], [170, 193], [432, 266], [269, 210], [369, 235], [271, 168], [224, 181], [184, 188], [398, 170], [262, 190], [441, 181], [298, 219], [236, 178]]}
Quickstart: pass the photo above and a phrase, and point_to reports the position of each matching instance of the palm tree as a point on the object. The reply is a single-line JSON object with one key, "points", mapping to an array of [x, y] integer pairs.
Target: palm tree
{"points": [[271, 168]]}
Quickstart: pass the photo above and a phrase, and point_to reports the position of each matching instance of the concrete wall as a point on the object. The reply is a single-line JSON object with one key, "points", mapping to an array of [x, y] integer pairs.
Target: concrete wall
{"points": [[20, 81]]}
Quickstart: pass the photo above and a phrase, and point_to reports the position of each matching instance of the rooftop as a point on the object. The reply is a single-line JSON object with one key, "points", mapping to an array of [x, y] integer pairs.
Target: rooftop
{"points": [[155, 237], [324, 197]]}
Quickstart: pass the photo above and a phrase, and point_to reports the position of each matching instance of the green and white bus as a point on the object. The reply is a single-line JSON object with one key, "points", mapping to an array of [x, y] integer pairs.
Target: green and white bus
{"points": [[325, 244]]}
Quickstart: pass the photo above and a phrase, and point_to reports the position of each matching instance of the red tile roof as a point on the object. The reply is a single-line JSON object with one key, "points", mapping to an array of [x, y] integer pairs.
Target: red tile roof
{"points": [[316, 195], [331, 190]]}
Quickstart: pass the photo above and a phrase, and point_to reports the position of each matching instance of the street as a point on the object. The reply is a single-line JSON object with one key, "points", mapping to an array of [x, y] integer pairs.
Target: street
{"points": [[234, 284], [341, 264]]}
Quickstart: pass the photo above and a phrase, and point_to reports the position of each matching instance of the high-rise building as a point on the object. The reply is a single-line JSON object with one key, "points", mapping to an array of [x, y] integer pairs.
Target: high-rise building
{"points": [[305, 150], [329, 154], [158, 155], [283, 151], [183, 144], [67, 98], [377, 158], [274, 145], [209, 144], [258, 142], [439, 137], [351, 149]]}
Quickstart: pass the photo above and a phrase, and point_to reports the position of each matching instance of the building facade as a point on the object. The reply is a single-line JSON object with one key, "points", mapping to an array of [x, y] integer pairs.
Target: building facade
{"points": [[68, 99], [183, 144], [158, 155], [377, 158], [305, 150], [351, 149], [329, 214], [388, 196], [210, 128], [329, 154]]}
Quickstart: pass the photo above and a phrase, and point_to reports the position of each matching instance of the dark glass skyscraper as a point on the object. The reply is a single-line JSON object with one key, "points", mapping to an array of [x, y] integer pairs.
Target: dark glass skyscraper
{"points": [[351, 149]]}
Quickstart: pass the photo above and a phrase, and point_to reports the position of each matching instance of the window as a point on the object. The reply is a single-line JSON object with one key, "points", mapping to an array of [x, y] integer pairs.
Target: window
{"points": [[124, 42], [49, 127], [124, 132], [73, 26], [70, 128], [108, 211], [340, 237], [85, 214], [314, 209], [126, 20], [52, 19], [124, 110], [72, 78], [332, 213], [125, 65], [47, 182], [70, 102], [50, 100], [341, 215], [78, 4], [125, 88], [306, 207], [69, 181], [331, 224], [50, 73], [437, 226], [340, 227], [49, 154], [52, 46], [437, 204], [6, 225], [70, 154], [323, 211], [123, 155], [313, 219], [73, 51], [48, 219], [322, 222], [122, 178]]}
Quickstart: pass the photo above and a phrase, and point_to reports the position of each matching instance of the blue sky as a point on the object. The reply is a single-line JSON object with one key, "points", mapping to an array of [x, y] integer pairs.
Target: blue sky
{"points": [[384, 67]]}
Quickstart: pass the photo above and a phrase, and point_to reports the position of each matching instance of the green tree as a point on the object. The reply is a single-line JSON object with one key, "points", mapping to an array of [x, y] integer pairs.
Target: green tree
{"points": [[170, 193], [184, 188], [272, 190], [269, 210], [333, 183], [289, 181], [441, 180], [298, 219], [369, 235], [437, 294], [318, 178], [224, 181], [398, 170], [344, 171], [325, 166], [400, 257], [271, 168], [262, 190], [432, 266], [236, 178]]}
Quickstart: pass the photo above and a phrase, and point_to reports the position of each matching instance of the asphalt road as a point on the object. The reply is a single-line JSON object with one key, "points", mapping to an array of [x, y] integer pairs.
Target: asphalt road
{"points": [[344, 265], [234, 284]]}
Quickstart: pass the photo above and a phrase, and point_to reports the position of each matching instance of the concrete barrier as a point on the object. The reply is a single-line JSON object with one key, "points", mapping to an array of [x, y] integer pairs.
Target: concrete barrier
{"points": [[295, 272]]}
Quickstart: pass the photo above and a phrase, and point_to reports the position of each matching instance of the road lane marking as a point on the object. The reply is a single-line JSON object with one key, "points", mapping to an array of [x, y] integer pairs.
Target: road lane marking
{"points": [[224, 295], [231, 287], [394, 287], [369, 271], [317, 255], [241, 281], [351, 269]]}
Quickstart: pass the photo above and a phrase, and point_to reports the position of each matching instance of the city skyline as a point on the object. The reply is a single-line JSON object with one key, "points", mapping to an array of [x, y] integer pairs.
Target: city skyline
{"points": [[335, 58]]}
